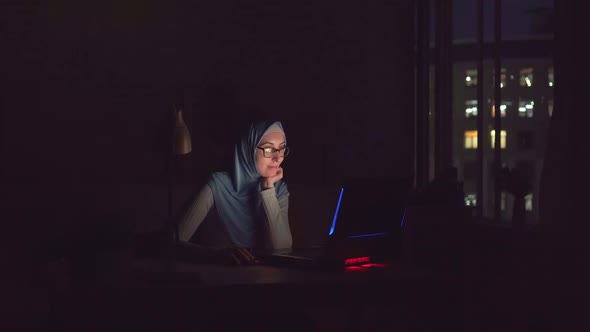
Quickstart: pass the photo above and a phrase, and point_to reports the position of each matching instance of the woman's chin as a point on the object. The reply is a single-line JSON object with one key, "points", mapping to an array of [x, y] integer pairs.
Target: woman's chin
{"points": [[266, 174]]}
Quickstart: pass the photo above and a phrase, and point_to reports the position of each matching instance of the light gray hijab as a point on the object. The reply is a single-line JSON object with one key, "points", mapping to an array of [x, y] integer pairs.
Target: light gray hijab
{"points": [[236, 193]]}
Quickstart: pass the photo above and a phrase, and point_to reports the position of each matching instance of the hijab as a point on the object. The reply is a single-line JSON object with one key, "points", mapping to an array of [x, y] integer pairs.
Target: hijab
{"points": [[237, 192]]}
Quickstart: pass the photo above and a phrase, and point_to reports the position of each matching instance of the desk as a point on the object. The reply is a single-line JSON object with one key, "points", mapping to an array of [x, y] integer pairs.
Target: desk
{"points": [[186, 297], [212, 275]]}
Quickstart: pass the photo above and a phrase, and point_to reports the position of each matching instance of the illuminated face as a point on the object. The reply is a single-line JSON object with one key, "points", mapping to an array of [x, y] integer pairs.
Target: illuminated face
{"points": [[268, 166]]}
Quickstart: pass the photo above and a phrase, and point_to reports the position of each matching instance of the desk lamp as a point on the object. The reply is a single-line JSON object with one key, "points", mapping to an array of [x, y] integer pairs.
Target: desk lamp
{"points": [[181, 145], [182, 137]]}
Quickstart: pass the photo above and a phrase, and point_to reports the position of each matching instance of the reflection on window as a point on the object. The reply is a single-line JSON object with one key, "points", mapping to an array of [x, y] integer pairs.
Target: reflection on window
{"points": [[550, 107], [528, 202], [526, 77], [525, 108], [550, 76], [503, 108], [502, 139], [470, 108], [470, 199], [471, 77], [471, 139]]}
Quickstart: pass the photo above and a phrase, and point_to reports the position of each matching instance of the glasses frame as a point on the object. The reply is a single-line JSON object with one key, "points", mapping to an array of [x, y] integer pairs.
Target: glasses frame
{"points": [[285, 150]]}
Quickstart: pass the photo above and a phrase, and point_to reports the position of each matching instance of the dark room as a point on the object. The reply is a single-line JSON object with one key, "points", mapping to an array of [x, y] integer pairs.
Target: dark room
{"points": [[294, 165]]}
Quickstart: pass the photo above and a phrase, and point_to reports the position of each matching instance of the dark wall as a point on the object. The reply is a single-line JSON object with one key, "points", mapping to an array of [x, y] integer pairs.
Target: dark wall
{"points": [[565, 178], [91, 86]]}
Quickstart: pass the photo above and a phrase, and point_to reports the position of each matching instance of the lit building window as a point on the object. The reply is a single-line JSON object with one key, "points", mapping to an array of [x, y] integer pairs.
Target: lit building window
{"points": [[528, 202], [502, 77], [471, 139], [470, 108], [502, 139], [526, 77], [470, 199], [550, 107], [503, 201], [525, 108], [550, 77], [503, 107], [471, 77]]}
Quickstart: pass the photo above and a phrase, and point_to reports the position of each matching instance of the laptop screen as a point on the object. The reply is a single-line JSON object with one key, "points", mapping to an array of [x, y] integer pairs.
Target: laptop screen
{"points": [[370, 207], [337, 210]]}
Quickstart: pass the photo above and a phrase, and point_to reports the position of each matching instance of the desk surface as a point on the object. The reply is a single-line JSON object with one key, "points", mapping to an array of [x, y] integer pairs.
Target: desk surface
{"points": [[218, 275], [176, 296]]}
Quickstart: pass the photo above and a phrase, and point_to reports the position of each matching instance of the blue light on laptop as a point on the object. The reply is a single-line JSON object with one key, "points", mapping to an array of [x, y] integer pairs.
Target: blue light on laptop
{"points": [[365, 235], [336, 213], [403, 218]]}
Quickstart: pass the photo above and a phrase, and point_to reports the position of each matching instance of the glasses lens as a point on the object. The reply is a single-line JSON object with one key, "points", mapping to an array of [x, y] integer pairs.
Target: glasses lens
{"points": [[269, 152]]}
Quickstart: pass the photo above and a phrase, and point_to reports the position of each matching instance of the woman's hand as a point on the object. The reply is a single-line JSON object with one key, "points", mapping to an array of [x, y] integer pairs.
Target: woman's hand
{"points": [[270, 181], [243, 256]]}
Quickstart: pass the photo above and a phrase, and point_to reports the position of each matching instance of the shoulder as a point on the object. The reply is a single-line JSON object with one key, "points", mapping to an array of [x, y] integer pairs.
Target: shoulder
{"points": [[218, 177]]}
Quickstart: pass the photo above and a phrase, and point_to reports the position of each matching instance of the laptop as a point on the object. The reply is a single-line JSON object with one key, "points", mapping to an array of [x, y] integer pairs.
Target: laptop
{"points": [[365, 228]]}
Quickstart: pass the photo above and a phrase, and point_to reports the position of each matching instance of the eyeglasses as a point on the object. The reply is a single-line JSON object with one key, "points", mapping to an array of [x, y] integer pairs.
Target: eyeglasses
{"points": [[269, 152]]}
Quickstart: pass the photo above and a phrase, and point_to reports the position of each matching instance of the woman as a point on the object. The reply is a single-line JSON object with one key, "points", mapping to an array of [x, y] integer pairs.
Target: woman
{"points": [[251, 199]]}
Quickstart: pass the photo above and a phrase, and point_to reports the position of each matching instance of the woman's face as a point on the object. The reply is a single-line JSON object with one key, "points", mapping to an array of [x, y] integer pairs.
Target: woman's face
{"points": [[268, 167]]}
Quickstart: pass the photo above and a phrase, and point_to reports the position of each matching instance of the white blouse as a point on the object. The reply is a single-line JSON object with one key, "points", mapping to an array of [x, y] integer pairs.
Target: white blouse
{"points": [[277, 230]]}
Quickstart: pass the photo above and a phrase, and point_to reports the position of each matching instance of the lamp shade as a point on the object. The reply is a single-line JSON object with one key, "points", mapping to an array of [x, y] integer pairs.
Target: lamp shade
{"points": [[182, 137]]}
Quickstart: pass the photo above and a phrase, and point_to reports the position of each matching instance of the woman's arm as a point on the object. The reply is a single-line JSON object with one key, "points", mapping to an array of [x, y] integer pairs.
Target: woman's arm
{"points": [[196, 213], [277, 218]]}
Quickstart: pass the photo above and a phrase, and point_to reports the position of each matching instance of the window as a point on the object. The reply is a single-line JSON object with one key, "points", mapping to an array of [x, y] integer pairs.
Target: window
{"points": [[528, 202], [526, 168], [470, 170], [503, 108], [471, 139], [502, 77], [470, 108], [526, 77], [470, 199], [525, 108], [525, 140], [492, 168], [502, 139], [471, 77]]}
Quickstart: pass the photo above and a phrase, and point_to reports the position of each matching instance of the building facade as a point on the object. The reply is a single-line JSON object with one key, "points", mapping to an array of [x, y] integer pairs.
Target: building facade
{"points": [[525, 109]]}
